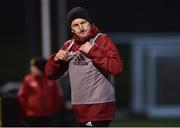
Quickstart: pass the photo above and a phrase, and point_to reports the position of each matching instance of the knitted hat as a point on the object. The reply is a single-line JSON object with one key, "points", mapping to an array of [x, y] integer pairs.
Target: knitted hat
{"points": [[77, 12], [39, 63]]}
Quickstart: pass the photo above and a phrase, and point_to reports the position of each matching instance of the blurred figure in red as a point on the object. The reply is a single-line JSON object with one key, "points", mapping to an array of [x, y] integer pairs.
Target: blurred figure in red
{"points": [[39, 97]]}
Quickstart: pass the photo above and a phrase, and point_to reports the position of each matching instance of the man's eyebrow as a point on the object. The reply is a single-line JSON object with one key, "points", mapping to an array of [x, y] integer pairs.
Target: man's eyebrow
{"points": [[78, 23], [83, 21], [74, 24]]}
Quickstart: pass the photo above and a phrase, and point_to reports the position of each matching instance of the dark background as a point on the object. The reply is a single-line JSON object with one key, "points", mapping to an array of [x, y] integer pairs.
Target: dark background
{"points": [[20, 25], [20, 40], [20, 30]]}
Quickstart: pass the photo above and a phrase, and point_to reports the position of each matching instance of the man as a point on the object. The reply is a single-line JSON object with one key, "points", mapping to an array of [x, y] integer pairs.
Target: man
{"points": [[39, 97], [91, 59]]}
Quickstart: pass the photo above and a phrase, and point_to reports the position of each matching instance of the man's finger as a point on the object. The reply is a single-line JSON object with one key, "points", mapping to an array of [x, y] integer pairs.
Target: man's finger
{"points": [[82, 46]]}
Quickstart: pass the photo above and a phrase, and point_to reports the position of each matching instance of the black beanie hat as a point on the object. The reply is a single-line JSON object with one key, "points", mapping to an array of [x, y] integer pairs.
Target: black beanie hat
{"points": [[39, 63], [77, 12]]}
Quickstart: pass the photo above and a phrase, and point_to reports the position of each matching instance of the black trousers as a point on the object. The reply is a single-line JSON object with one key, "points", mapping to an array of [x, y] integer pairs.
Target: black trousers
{"points": [[38, 121], [105, 123]]}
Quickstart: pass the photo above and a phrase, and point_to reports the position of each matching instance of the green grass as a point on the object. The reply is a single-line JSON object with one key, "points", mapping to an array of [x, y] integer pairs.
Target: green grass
{"points": [[146, 123]]}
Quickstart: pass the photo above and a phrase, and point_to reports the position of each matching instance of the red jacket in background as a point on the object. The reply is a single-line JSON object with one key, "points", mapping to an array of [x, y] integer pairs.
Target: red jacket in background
{"points": [[39, 96]]}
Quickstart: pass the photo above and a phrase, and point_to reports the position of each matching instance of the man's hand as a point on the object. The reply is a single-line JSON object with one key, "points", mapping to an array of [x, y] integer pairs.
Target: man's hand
{"points": [[86, 47], [61, 55]]}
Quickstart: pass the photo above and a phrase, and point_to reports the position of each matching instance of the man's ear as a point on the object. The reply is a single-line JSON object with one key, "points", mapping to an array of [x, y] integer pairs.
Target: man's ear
{"points": [[72, 31]]}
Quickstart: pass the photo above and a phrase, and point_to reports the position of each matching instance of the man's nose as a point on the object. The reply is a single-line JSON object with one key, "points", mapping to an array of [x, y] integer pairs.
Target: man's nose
{"points": [[81, 27]]}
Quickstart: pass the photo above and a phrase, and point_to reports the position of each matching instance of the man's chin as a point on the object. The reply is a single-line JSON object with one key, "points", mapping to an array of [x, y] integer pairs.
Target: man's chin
{"points": [[83, 36]]}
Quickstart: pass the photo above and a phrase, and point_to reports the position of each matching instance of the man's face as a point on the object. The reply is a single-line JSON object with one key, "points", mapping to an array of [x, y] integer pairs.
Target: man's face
{"points": [[35, 71], [80, 27]]}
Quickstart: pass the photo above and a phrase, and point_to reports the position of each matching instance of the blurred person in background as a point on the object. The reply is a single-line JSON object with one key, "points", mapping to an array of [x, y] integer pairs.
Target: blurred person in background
{"points": [[39, 97], [92, 60]]}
